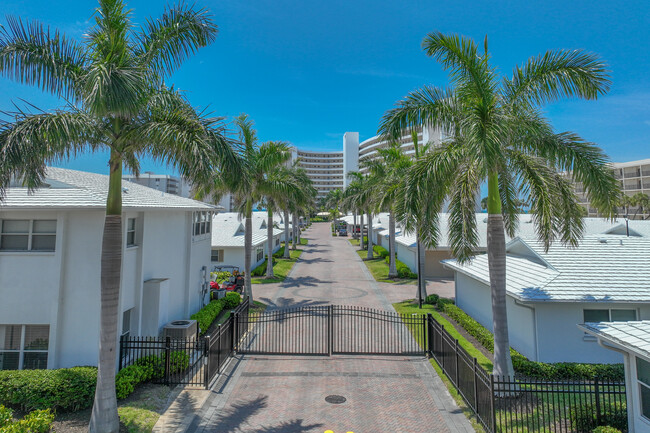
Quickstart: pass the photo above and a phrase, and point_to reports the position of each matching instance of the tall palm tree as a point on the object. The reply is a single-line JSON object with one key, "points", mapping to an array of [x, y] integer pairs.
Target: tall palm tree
{"points": [[260, 179], [387, 177], [640, 201], [359, 195], [495, 131], [113, 81]]}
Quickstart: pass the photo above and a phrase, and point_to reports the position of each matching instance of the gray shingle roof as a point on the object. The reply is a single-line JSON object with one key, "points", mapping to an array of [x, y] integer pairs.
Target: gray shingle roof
{"points": [[634, 336], [604, 268], [79, 189]]}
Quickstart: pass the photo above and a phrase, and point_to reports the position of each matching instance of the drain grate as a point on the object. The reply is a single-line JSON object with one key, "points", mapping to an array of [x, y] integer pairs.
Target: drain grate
{"points": [[335, 399]]}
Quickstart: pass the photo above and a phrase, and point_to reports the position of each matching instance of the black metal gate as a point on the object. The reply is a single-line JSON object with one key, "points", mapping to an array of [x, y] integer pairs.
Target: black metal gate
{"points": [[331, 330]]}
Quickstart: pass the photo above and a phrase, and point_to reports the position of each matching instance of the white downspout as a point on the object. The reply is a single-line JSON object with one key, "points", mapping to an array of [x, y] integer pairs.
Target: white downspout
{"points": [[521, 304]]}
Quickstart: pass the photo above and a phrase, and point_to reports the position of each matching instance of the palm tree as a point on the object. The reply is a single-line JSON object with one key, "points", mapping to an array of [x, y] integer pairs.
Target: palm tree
{"points": [[495, 131], [640, 201], [387, 177], [113, 81], [624, 202], [260, 179], [358, 195]]}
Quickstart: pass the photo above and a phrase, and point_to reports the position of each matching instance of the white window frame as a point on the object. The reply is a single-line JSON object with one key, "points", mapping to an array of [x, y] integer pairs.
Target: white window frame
{"points": [[258, 252], [609, 312], [30, 235], [220, 255], [134, 231], [640, 384], [201, 223], [21, 350]]}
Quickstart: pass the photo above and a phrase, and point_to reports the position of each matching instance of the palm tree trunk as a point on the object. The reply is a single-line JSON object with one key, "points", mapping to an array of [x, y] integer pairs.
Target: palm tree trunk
{"points": [[287, 253], [361, 231], [269, 237], [248, 250], [104, 418], [421, 255], [354, 225], [295, 235], [370, 256], [392, 268], [496, 245]]}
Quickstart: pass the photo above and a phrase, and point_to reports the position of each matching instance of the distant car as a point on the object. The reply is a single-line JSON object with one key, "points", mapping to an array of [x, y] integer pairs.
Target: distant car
{"points": [[343, 232]]}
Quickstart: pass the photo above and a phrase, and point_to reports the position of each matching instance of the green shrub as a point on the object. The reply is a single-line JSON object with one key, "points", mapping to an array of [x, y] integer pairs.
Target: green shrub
{"points": [[606, 429], [261, 269], [154, 363], [231, 300], [279, 253], [381, 251], [38, 421], [526, 367], [404, 271], [128, 377], [431, 299], [67, 389], [6, 416], [584, 417], [206, 315]]}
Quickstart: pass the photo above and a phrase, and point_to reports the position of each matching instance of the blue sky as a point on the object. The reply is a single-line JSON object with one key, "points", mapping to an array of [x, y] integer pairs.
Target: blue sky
{"points": [[308, 71]]}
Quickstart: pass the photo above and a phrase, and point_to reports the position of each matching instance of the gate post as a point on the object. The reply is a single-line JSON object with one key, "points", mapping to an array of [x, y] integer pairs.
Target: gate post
{"points": [[206, 354], [492, 405], [427, 336], [168, 350], [233, 329], [330, 326]]}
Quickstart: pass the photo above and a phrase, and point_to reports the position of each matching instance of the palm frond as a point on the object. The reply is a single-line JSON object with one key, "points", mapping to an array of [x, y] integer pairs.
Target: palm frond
{"points": [[32, 55], [169, 40]]}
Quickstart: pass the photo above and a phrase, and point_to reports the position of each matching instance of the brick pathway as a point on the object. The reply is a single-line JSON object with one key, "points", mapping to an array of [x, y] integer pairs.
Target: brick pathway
{"points": [[286, 394]]}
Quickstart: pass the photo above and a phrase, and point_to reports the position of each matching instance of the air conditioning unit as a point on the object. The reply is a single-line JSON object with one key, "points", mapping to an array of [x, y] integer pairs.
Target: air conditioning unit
{"points": [[181, 329]]}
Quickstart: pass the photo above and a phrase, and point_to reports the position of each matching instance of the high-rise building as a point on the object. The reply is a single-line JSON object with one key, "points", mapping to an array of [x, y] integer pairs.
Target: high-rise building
{"points": [[161, 182], [633, 176]]}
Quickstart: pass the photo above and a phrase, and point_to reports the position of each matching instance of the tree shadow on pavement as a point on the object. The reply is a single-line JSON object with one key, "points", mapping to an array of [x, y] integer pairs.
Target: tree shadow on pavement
{"points": [[301, 281], [293, 426], [284, 303], [230, 420]]}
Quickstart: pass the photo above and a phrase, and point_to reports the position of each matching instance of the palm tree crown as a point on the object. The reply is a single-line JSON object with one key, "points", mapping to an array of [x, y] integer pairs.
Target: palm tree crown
{"points": [[496, 132]]}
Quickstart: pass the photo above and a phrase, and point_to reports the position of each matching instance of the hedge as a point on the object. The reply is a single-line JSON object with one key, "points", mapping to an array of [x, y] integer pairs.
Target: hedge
{"points": [[66, 389], [526, 367], [38, 421], [231, 300], [381, 251], [206, 315], [612, 418], [403, 271], [148, 368], [261, 269], [606, 429]]}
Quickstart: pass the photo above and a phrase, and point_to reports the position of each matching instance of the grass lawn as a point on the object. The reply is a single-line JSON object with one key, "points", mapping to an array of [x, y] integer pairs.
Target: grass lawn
{"points": [[410, 307], [282, 266], [354, 242], [379, 269]]}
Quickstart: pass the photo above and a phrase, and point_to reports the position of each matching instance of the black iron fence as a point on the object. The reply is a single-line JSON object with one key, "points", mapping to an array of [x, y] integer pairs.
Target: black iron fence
{"points": [[506, 404]]}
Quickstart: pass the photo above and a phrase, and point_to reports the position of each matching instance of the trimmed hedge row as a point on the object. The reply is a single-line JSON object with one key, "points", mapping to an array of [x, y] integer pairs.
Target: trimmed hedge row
{"points": [[381, 251], [206, 315], [38, 421], [612, 419], [148, 368], [67, 389], [521, 364], [403, 271], [261, 269]]}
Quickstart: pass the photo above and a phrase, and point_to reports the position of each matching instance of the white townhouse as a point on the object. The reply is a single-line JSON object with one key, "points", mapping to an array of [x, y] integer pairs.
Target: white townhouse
{"points": [[605, 279], [50, 259], [228, 239], [632, 340], [433, 268]]}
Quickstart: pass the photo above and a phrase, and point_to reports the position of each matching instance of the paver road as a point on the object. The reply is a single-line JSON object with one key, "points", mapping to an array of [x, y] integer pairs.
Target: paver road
{"points": [[286, 394]]}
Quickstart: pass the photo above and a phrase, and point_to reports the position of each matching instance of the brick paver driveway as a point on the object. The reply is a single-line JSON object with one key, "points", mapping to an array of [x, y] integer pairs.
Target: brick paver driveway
{"points": [[286, 394]]}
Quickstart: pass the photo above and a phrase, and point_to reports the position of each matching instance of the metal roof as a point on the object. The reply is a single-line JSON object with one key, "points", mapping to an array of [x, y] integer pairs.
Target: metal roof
{"points": [[633, 336]]}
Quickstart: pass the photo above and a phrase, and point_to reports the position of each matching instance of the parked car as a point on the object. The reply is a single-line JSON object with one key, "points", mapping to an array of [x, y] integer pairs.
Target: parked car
{"points": [[343, 232]]}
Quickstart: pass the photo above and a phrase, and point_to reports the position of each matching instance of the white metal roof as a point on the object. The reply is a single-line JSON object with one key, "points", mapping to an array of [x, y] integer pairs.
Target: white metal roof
{"points": [[604, 268], [633, 336], [228, 230], [66, 188]]}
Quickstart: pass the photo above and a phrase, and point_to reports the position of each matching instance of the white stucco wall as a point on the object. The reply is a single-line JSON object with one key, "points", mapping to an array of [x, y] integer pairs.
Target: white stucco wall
{"points": [[407, 256], [62, 289], [557, 338]]}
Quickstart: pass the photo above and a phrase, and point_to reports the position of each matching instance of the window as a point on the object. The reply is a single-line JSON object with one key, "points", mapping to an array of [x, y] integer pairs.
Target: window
{"points": [[126, 324], [202, 223], [28, 235], [130, 232], [260, 254], [277, 241], [643, 377], [609, 315], [24, 347], [217, 255]]}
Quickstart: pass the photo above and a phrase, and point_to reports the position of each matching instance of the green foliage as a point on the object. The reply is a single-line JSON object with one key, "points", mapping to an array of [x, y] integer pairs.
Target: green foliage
{"points": [[612, 416], [220, 276], [129, 377], [522, 365], [148, 368], [261, 269], [38, 421], [606, 429], [404, 271], [279, 253], [231, 300], [380, 251], [66, 389], [432, 299], [319, 219], [206, 315]]}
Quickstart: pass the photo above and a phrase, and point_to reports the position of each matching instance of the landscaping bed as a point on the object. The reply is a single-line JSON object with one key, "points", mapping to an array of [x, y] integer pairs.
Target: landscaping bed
{"points": [[281, 266], [379, 270]]}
